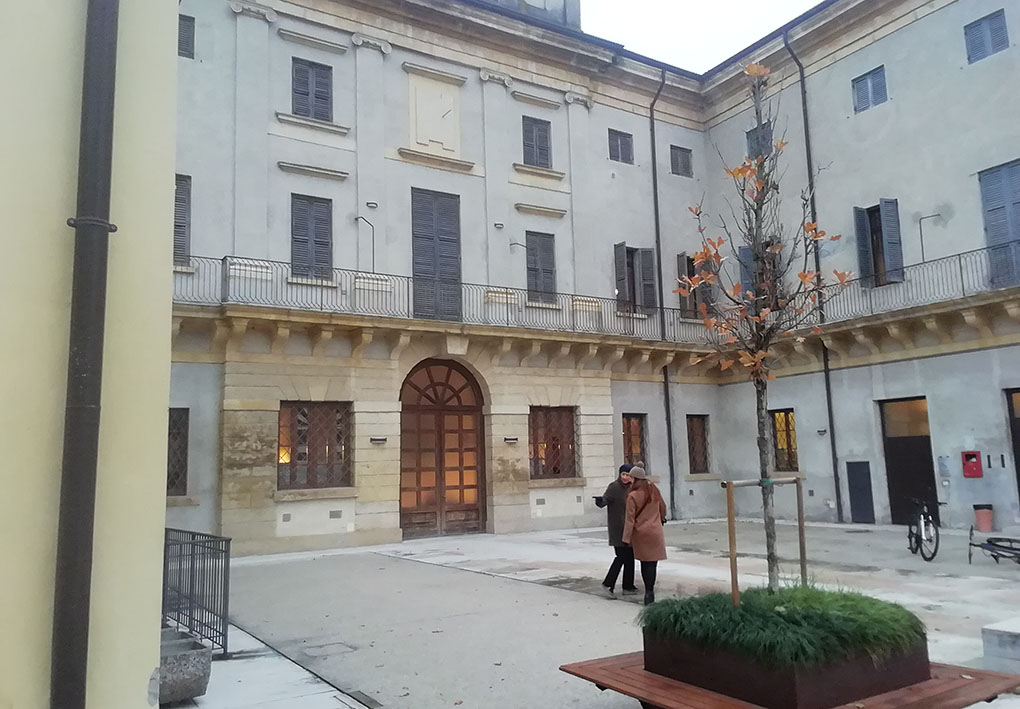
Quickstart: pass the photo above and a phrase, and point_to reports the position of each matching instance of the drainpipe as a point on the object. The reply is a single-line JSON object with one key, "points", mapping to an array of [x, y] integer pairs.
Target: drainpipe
{"points": [[73, 581], [662, 298], [826, 370]]}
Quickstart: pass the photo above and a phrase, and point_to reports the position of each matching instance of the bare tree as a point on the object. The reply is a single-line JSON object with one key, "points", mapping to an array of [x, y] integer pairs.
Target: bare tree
{"points": [[768, 290]]}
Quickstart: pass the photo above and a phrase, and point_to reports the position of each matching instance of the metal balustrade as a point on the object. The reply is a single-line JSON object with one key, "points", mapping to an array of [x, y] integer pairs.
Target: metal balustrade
{"points": [[234, 280]]}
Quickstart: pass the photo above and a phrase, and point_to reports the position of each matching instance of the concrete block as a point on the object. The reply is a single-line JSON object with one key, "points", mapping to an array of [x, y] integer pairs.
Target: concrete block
{"points": [[1002, 640], [184, 668]]}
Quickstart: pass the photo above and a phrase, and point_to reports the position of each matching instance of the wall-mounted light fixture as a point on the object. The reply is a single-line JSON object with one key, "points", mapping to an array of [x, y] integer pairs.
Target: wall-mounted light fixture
{"points": [[372, 205], [499, 225], [509, 439], [372, 227], [821, 432], [378, 440]]}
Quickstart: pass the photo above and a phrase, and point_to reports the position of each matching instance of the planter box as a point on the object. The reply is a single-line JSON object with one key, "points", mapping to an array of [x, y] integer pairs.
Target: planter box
{"points": [[740, 677]]}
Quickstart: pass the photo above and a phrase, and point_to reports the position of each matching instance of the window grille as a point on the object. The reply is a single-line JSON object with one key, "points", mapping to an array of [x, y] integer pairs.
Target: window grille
{"points": [[177, 454], [697, 443], [315, 445], [784, 439], [634, 447], [552, 445]]}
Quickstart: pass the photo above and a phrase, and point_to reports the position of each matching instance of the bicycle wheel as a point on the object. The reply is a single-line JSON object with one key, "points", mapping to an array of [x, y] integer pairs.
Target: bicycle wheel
{"points": [[912, 543], [929, 538]]}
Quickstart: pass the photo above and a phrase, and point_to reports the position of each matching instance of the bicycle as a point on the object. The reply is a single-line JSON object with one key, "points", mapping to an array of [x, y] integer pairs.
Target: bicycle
{"points": [[923, 532]]}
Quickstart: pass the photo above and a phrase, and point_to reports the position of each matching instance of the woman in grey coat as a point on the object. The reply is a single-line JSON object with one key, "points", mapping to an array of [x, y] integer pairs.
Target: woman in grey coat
{"points": [[615, 502]]}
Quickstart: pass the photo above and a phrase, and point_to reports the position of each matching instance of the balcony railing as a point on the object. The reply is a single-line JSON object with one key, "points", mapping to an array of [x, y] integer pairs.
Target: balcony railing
{"points": [[235, 280]]}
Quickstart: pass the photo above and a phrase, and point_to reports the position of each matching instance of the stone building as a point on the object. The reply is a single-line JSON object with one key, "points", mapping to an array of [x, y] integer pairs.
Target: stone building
{"points": [[426, 251]]}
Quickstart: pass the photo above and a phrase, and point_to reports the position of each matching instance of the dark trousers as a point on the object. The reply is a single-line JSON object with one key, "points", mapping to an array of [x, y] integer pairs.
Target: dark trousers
{"points": [[648, 571], [624, 560]]}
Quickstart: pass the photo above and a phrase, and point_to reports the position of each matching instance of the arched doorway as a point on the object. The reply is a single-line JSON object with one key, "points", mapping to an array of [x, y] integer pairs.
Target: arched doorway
{"points": [[442, 458]]}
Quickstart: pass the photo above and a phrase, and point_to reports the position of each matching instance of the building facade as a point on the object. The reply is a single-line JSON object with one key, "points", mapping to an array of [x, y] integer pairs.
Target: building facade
{"points": [[425, 254]]}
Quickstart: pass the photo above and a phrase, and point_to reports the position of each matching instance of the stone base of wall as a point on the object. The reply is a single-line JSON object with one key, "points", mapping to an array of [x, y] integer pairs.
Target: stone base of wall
{"points": [[315, 542]]}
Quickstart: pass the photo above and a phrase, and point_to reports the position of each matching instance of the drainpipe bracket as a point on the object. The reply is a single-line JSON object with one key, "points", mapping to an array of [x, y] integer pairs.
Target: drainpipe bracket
{"points": [[75, 222]]}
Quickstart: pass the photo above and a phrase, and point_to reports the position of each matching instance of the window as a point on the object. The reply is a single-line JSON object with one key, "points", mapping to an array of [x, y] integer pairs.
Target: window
{"points": [[315, 446], [879, 247], [311, 237], [541, 267], [697, 443], [186, 36], [537, 151], [621, 146], [312, 90], [784, 440], [551, 442], [634, 439], [680, 161], [869, 90], [761, 276], [759, 141], [1000, 202], [182, 220], [986, 36], [177, 454], [635, 278], [690, 304]]}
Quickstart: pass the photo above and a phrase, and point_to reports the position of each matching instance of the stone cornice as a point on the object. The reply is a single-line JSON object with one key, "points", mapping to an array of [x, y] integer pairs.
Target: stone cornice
{"points": [[540, 211], [313, 171], [360, 40], [435, 74], [433, 160], [535, 100], [291, 119], [253, 9], [574, 97], [311, 41], [539, 171], [495, 77]]}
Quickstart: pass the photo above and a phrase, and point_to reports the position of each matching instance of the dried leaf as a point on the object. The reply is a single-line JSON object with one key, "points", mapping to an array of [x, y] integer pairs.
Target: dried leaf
{"points": [[725, 364], [816, 330], [776, 248]]}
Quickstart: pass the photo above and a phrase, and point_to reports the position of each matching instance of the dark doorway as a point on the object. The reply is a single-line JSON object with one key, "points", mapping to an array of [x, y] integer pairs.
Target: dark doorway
{"points": [[862, 504], [1013, 396], [442, 458], [909, 467], [435, 254]]}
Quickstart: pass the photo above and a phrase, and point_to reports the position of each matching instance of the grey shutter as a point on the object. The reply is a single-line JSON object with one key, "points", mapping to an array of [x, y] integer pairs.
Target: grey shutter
{"points": [[746, 256], [300, 236], [182, 220], [322, 92], [627, 148], [543, 144], [879, 93], [301, 89], [186, 36], [448, 255], [865, 259], [976, 39], [647, 293], [614, 145], [759, 140], [530, 148], [892, 243], [685, 267], [862, 94], [680, 161], [423, 253], [622, 279], [997, 33], [322, 238], [1001, 230], [541, 267], [532, 265]]}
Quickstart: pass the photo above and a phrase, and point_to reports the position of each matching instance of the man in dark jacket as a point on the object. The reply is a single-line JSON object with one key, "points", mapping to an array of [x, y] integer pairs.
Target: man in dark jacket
{"points": [[615, 502]]}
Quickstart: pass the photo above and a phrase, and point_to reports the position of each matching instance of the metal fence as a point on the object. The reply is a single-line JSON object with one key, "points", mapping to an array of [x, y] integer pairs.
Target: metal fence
{"points": [[254, 282], [196, 584]]}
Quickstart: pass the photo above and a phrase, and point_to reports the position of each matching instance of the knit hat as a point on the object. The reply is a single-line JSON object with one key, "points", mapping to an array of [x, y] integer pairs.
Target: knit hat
{"points": [[625, 468], [638, 473]]}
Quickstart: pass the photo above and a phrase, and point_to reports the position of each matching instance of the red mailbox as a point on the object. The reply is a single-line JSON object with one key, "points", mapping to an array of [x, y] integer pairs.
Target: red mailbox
{"points": [[972, 464]]}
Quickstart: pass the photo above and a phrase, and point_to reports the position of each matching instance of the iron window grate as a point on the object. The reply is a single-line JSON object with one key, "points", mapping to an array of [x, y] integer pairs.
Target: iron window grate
{"points": [[552, 442], [177, 453], [315, 446]]}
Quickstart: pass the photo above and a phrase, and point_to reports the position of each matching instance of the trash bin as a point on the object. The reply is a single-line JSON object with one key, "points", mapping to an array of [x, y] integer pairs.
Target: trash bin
{"points": [[985, 518]]}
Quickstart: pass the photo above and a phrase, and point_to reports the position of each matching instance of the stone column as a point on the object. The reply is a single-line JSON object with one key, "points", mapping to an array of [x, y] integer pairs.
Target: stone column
{"points": [[248, 477], [507, 469], [498, 159]]}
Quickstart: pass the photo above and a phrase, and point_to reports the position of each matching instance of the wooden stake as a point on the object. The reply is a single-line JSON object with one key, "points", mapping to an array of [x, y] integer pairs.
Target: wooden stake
{"points": [[730, 514]]}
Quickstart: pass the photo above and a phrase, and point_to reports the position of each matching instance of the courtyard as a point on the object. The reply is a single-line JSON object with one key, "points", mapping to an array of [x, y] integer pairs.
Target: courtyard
{"points": [[485, 620]]}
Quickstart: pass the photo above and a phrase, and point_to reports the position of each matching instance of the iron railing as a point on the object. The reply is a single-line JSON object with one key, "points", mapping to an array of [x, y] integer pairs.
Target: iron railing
{"points": [[196, 584], [237, 280]]}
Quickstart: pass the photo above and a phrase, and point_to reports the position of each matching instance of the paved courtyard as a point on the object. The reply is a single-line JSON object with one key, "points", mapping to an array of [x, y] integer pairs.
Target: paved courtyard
{"points": [[484, 621]]}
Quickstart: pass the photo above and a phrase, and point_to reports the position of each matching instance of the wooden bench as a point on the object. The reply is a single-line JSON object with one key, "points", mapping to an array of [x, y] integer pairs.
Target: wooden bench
{"points": [[951, 687]]}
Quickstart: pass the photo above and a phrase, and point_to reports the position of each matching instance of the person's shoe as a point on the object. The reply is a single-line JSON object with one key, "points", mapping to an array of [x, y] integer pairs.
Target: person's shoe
{"points": [[631, 592], [608, 593], [649, 599]]}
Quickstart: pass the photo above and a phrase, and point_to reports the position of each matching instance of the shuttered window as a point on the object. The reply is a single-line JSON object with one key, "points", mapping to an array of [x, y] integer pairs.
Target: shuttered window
{"points": [[435, 254], [697, 444], [551, 442], [784, 440], [986, 36], [312, 90], [635, 278], [869, 90], [311, 237], [685, 267], [537, 149], [759, 140], [680, 161], [621, 146], [186, 36], [879, 243], [1000, 201], [182, 220], [541, 265], [177, 453]]}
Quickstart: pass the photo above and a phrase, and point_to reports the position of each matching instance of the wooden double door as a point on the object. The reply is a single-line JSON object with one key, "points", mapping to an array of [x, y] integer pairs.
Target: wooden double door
{"points": [[442, 458]]}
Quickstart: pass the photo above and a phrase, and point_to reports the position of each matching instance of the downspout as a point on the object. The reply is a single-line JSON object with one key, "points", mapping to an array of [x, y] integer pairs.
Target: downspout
{"points": [[662, 298], [826, 370], [73, 581]]}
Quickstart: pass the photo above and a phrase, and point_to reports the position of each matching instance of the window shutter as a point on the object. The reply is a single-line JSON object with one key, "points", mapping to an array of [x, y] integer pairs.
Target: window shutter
{"points": [[530, 146], [322, 95], [648, 295], [543, 144], [423, 253], [627, 148], [759, 140], [680, 161], [747, 269], [300, 236], [862, 233], [448, 246], [862, 96], [878, 88], [186, 36], [997, 34], [301, 89], [533, 266], [182, 220], [996, 199], [322, 238], [614, 146], [622, 280], [892, 244], [976, 39], [547, 261]]}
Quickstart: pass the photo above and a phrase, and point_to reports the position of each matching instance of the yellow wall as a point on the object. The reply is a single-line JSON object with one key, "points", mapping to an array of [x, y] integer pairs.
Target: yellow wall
{"points": [[39, 145]]}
